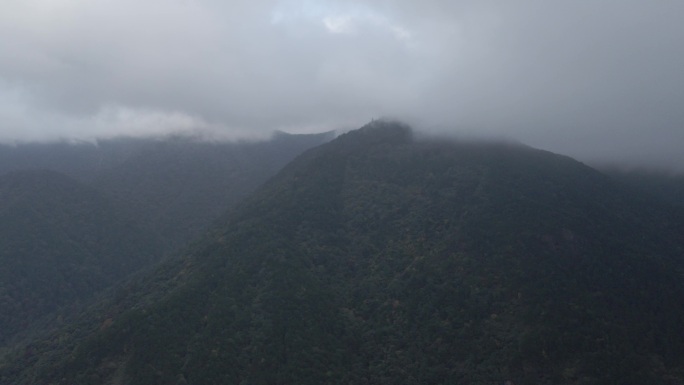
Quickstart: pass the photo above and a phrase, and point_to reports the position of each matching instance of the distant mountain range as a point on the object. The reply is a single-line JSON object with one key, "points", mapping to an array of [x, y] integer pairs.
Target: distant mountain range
{"points": [[76, 219], [175, 185], [661, 185], [61, 241], [377, 258]]}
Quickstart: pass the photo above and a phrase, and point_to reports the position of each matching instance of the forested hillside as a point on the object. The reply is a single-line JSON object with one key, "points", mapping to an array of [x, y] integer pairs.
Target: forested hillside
{"points": [[175, 185], [76, 219], [380, 259], [60, 243], [179, 186], [666, 186]]}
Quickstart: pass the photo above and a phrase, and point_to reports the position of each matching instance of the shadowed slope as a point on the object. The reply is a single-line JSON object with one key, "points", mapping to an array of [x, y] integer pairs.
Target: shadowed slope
{"points": [[378, 259], [61, 243]]}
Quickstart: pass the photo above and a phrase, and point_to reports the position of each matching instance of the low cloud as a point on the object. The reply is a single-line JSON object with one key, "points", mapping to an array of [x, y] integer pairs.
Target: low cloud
{"points": [[597, 80]]}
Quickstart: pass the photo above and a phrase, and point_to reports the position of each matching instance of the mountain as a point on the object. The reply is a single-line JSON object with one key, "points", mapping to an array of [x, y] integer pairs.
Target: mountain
{"points": [[76, 217], [174, 185], [379, 259], [61, 242], [665, 186], [80, 160], [179, 186]]}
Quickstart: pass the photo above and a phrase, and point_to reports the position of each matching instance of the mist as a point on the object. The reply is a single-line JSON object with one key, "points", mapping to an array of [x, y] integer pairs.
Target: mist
{"points": [[600, 81]]}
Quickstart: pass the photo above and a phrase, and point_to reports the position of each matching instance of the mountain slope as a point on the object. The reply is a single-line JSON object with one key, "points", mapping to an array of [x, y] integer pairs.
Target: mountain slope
{"points": [[665, 186], [81, 160], [175, 185], [379, 259], [179, 186], [61, 242]]}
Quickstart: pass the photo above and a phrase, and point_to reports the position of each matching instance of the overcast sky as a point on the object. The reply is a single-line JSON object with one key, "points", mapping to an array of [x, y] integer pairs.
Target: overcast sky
{"points": [[595, 79]]}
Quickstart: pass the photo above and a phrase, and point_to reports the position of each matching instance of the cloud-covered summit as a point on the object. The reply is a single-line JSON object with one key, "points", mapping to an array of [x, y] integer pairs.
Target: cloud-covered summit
{"points": [[597, 80]]}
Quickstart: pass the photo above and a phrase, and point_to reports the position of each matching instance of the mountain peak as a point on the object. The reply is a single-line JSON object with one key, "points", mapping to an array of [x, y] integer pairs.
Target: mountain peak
{"points": [[380, 131], [379, 259]]}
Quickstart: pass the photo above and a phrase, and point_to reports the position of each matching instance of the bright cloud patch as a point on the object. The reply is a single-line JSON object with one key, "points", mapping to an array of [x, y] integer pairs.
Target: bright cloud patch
{"points": [[338, 24], [337, 17], [88, 68]]}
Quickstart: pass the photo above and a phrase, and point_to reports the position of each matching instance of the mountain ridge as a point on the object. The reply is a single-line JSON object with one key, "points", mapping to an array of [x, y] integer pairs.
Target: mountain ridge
{"points": [[62, 242], [377, 258], [63, 205]]}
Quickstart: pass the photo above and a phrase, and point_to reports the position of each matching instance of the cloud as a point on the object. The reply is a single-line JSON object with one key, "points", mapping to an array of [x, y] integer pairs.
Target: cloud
{"points": [[598, 80], [25, 124]]}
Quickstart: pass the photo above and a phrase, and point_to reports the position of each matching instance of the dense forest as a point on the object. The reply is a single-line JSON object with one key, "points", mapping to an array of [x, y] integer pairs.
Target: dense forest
{"points": [[78, 219], [61, 241], [174, 185], [378, 258], [663, 185]]}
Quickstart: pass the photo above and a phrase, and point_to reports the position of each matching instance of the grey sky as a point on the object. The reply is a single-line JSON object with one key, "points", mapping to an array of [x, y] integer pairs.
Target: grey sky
{"points": [[593, 79]]}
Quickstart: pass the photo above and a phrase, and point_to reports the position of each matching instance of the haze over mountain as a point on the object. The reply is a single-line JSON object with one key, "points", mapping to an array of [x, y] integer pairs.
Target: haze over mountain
{"points": [[62, 242], [125, 204], [174, 185], [596, 80], [380, 259], [180, 186], [662, 185]]}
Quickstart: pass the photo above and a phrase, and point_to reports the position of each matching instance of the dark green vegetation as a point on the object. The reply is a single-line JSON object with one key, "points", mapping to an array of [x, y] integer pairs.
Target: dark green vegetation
{"points": [[376, 259], [180, 186], [76, 219], [60, 242], [176, 186], [668, 187]]}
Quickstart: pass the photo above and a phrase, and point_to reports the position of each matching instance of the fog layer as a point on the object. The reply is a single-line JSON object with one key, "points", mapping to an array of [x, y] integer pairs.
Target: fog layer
{"points": [[599, 80]]}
